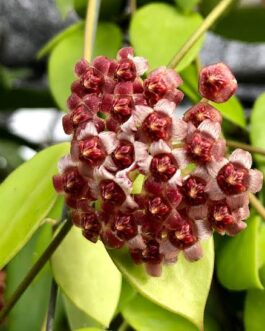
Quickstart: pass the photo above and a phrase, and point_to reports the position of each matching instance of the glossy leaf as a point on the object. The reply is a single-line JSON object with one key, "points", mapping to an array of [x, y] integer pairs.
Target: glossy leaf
{"points": [[257, 127], [36, 297], [87, 276], [64, 6], [254, 317], [187, 5], [46, 49], [238, 260], [77, 318], [190, 83], [26, 197], [127, 294], [182, 288], [143, 315], [70, 49], [158, 31], [89, 329]]}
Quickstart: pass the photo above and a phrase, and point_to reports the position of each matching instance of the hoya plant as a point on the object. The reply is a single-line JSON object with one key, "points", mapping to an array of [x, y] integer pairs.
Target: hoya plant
{"points": [[133, 209]]}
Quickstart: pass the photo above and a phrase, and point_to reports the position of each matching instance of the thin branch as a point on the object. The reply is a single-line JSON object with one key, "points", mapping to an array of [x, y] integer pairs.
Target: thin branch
{"points": [[206, 24], [257, 205], [93, 7], [52, 306], [36, 268], [246, 147]]}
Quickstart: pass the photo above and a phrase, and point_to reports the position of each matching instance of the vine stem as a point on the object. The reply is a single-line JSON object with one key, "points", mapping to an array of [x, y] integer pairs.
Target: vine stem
{"points": [[246, 147], [52, 306], [93, 7], [206, 24], [36, 269], [257, 205]]}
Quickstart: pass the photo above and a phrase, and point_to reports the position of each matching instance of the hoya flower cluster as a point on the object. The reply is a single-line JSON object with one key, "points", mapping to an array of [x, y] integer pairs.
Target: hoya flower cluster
{"points": [[125, 127]]}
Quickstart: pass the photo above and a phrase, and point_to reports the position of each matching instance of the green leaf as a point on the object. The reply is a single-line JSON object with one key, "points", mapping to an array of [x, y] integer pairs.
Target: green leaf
{"points": [[90, 329], [143, 315], [46, 49], [238, 260], [183, 288], [257, 127], [69, 50], [232, 111], [77, 318], [64, 6], [26, 197], [87, 276], [187, 5], [158, 31], [254, 317], [35, 299], [190, 83], [127, 294]]}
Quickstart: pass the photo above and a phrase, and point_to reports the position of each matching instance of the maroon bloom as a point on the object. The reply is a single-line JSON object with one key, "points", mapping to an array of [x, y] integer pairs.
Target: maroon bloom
{"points": [[163, 166], [111, 192], [123, 155], [194, 191], [201, 112]]}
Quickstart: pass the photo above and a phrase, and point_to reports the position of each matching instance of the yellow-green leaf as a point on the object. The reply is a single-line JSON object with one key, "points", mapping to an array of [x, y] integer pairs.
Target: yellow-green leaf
{"points": [[26, 197]]}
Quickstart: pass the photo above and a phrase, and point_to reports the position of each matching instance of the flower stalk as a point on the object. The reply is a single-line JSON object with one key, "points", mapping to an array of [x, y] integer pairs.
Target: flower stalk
{"points": [[206, 24], [246, 147]]}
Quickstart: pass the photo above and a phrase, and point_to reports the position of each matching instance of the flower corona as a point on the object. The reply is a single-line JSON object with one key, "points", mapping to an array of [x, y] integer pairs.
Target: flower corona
{"points": [[125, 131]]}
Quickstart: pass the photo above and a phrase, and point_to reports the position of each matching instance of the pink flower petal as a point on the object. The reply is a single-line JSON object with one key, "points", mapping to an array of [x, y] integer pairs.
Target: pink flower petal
{"points": [[129, 203], [204, 229], [124, 88], [235, 228], [75, 150], [89, 130], [212, 128], [136, 243], [109, 141], [242, 157], [180, 156], [237, 201], [214, 167], [202, 173], [158, 147], [179, 130], [140, 152], [102, 64], [124, 52], [169, 251], [218, 149], [214, 190], [65, 162], [129, 126], [241, 213], [58, 183], [140, 114], [198, 212], [255, 180], [176, 179], [154, 270], [140, 63], [193, 253], [109, 164], [165, 106]]}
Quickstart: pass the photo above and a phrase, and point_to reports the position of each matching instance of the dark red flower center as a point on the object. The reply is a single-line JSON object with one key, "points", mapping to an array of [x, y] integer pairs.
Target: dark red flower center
{"points": [[123, 156], [80, 115], [193, 190], [201, 112], [111, 192], [157, 126], [92, 80], [220, 216], [73, 182], [157, 207], [151, 252], [233, 179], [125, 226], [163, 166], [122, 108], [91, 151], [154, 89], [199, 147], [126, 70]]}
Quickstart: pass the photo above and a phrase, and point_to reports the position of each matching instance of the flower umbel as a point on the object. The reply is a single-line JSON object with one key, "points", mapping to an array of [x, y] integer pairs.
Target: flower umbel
{"points": [[124, 126]]}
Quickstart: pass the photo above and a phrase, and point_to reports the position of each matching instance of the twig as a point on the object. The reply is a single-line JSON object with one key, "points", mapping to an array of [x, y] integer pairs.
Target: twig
{"points": [[36, 269], [52, 306], [257, 205], [246, 147], [206, 24], [93, 7]]}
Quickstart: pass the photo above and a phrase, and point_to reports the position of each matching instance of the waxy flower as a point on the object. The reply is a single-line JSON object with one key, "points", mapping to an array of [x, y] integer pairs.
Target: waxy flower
{"points": [[125, 127]]}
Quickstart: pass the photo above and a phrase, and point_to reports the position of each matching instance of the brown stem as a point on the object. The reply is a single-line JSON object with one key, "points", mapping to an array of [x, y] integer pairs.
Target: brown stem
{"points": [[257, 205], [246, 147]]}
